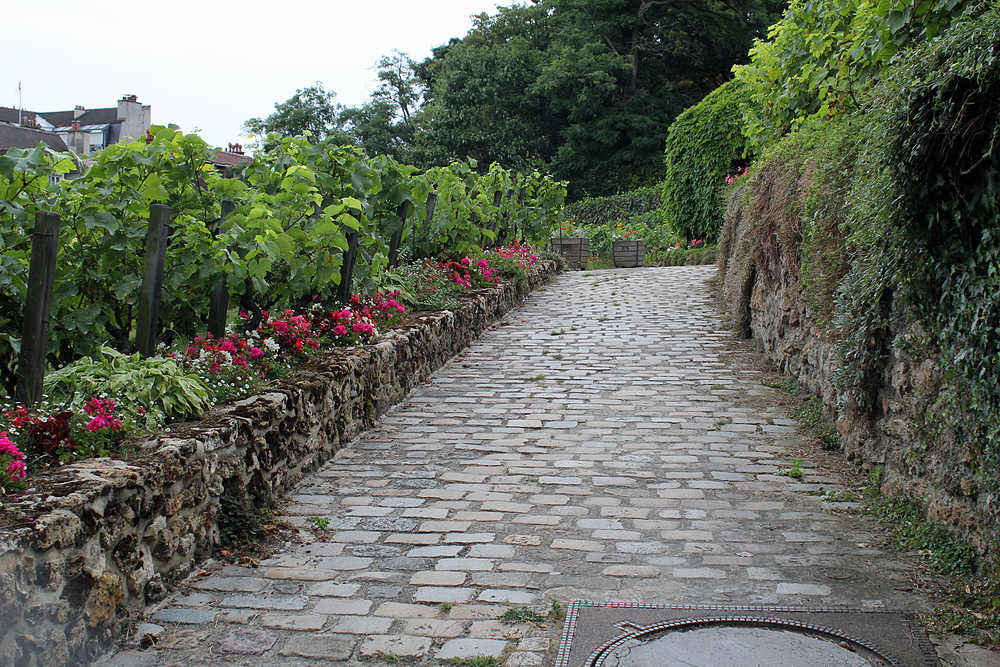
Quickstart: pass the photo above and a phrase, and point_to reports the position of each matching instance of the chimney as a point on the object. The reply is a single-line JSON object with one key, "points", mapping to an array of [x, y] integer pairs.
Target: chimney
{"points": [[75, 125], [28, 120], [78, 111], [127, 112]]}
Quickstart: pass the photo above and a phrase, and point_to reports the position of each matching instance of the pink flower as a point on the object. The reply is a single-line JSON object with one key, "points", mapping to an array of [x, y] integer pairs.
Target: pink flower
{"points": [[16, 470], [465, 261], [256, 352], [15, 467], [483, 264], [339, 330], [363, 328]]}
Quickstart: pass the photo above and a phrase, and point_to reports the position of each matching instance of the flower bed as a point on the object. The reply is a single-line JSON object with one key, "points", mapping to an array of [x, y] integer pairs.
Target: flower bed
{"points": [[101, 538]]}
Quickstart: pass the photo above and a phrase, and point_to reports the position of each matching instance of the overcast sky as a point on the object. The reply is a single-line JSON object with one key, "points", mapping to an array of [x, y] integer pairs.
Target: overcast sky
{"points": [[211, 64]]}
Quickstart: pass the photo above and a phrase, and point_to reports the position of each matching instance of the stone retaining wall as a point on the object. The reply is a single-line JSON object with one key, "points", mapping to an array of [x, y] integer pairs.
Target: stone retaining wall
{"points": [[906, 433], [108, 537]]}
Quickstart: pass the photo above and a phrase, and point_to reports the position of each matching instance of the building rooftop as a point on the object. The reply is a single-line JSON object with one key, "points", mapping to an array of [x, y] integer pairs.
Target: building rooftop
{"points": [[15, 136]]}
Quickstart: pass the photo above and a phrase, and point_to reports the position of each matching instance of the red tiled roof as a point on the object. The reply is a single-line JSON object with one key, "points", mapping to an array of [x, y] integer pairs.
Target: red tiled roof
{"points": [[227, 159]]}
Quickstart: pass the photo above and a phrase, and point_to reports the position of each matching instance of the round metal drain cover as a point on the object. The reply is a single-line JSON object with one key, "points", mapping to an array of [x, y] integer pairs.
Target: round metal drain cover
{"points": [[728, 642]]}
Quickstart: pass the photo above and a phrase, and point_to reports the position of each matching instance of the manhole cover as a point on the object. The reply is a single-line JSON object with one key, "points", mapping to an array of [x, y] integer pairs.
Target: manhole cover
{"points": [[646, 635], [731, 642]]}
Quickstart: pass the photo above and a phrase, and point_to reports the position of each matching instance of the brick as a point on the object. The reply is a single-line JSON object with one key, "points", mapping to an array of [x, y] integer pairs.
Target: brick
{"points": [[413, 538], [343, 607], [577, 545], [525, 567], [698, 573], [493, 629], [193, 616], [499, 596], [470, 648], [538, 519], [246, 642], [444, 526], [434, 628], [344, 563], [476, 611], [491, 551], [263, 602], [438, 594], [638, 571], [464, 564], [468, 538], [446, 578], [330, 589], [401, 646], [293, 622], [363, 625], [400, 610], [320, 647], [233, 584], [296, 574]]}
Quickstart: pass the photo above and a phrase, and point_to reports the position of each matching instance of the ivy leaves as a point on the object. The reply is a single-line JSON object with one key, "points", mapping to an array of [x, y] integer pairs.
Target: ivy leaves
{"points": [[825, 55]]}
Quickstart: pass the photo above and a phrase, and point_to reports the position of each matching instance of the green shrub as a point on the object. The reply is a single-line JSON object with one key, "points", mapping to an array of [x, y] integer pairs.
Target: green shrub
{"points": [[643, 203], [156, 386], [705, 144], [824, 56]]}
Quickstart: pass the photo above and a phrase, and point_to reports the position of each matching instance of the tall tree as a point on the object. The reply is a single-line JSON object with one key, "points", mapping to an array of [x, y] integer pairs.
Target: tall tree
{"points": [[384, 125], [481, 101], [310, 109], [624, 69]]}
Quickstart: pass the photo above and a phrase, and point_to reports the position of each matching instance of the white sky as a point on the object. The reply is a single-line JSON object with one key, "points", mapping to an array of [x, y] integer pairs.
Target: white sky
{"points": [[212, 64]]}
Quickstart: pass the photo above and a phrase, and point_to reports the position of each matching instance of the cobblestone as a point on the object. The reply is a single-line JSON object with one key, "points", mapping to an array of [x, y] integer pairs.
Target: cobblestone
{"points": [[639, 468]]}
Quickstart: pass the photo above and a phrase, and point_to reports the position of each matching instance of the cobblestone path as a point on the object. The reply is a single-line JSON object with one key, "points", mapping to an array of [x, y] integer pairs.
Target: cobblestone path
{"points": [[594, 445]]}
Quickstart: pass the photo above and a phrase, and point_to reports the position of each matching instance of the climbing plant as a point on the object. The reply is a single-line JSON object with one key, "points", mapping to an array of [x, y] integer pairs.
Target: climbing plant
{"points": [[704, 144]]}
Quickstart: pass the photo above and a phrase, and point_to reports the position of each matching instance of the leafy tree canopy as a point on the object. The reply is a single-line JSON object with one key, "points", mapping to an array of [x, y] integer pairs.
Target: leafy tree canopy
{"points": [[310, 110], [586, 89], [822, 57]]}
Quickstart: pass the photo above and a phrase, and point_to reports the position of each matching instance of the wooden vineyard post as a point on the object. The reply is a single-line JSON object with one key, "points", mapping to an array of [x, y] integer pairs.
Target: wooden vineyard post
{"points": [[432, 199], [347, 268], [218, 299], [497, 200], [397, 236], [152, 279], [38, 308], [218, 307], [522, 193]]}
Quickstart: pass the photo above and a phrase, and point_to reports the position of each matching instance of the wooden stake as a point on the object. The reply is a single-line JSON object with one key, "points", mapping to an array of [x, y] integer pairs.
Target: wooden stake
{"points": [[152, 279], [37, 308]]}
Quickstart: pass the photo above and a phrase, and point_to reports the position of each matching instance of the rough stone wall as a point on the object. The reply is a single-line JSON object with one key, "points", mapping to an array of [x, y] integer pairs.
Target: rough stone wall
{"points": [[108, 537], [906, 433]]}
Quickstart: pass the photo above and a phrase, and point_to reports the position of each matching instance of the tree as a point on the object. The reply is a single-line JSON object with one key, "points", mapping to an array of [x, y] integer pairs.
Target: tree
{"points": [[310, 109], [624, 69], [375, 127], [480, 97], [400, 85], [585, 88]]}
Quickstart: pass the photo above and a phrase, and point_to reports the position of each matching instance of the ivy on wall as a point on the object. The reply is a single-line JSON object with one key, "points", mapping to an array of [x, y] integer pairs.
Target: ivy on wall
{"points": [[704, 145]]}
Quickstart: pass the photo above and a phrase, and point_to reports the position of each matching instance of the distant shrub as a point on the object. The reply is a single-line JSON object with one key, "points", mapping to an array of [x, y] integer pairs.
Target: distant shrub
{"points": [[704, 144], [644, 203]]}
